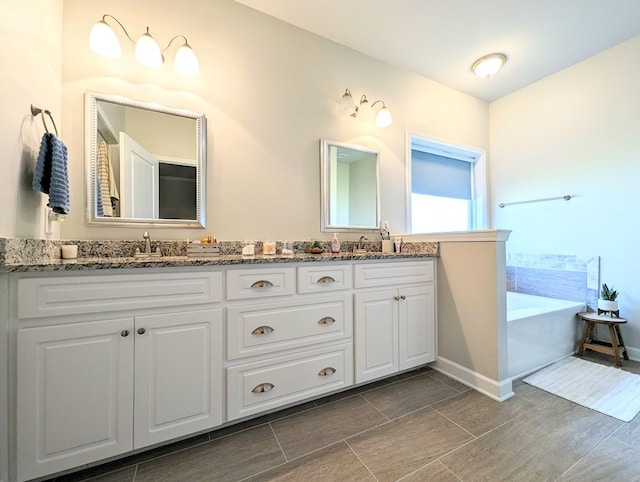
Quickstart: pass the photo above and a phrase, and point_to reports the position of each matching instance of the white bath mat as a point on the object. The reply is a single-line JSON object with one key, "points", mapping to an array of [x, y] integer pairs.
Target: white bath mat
{"points": [[608, 390]]}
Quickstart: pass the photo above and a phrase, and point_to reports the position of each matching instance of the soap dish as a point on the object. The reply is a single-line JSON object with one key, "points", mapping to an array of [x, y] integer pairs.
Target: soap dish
{"points": [[203, 250]]}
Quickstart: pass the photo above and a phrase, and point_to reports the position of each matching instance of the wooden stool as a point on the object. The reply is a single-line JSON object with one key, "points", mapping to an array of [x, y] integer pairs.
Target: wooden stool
{"points": [[615, 348]]}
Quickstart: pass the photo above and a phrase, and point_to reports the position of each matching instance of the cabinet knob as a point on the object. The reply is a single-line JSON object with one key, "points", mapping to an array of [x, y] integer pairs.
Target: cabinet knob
{"points": [[396, 298], [326, 371], [403, 297], [141, 331], [262, 330], [263, 387], [326, 279], [263, 283], [124, 333], [327, 320]]}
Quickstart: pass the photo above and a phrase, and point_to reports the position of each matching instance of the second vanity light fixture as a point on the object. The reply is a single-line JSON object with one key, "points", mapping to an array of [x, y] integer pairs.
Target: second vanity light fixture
{"points": [[364, 110], [103, 40]]}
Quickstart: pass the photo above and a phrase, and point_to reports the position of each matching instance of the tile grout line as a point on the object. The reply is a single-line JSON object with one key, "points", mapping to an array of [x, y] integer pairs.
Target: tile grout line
{"points": [[350, 436], [376, 409], [455, 423], [439, 459], [286, 459], [586, 455], [361, 461]]}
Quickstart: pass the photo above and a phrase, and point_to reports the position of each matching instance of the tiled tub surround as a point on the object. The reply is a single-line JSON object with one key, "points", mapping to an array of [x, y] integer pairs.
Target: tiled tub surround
{"points": [[566, 277], [18, 254]]}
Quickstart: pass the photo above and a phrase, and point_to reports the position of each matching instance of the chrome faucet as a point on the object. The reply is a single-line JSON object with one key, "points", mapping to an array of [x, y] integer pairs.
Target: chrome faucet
{"points": [[147, 243], [361, 241]]}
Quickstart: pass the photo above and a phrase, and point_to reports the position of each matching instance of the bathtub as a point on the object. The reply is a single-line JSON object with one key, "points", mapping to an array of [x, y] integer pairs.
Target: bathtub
{"points": [[540, 331]]}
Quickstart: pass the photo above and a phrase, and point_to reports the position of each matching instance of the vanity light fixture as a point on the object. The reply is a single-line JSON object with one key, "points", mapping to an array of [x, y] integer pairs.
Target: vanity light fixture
{"points": [[488, 65], [103, 40], [364, 110]]}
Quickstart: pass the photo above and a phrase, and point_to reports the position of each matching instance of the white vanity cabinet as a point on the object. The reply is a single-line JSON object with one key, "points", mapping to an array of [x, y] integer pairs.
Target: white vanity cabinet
{"points": [[102, 363], [395, 326], [91, 388], [293, 347]]}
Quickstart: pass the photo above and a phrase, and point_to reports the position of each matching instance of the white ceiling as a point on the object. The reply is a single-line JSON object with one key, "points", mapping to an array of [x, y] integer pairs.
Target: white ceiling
{"points": [[440, 39]]}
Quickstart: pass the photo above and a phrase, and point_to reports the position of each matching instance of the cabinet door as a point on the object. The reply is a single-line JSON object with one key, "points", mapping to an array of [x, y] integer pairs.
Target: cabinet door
{"points": [[178, 370], [376, 335], [74, 395], [417, 326]]}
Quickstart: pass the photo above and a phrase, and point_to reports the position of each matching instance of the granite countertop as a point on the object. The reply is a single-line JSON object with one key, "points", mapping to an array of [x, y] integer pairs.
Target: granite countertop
{"points": [[33, 255], [184, 261]]}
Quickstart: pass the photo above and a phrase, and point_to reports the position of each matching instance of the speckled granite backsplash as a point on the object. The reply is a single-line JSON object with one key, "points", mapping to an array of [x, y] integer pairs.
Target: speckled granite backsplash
{"points": [[18, 250]]}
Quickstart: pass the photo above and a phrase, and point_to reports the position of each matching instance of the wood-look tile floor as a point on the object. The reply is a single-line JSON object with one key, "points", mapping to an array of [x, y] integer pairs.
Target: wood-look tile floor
{"points": [[418, 426]]}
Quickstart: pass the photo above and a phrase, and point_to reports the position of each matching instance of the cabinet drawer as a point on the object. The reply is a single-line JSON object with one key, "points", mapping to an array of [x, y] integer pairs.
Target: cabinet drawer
{"points": [[259, 386], [385, 274], [259, 283], [265, 328], [65, 295], [318, 279]]}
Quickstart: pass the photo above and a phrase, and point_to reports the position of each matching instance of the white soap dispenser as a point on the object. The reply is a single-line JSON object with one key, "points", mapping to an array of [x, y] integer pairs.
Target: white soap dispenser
{"points": [[335, 244]]}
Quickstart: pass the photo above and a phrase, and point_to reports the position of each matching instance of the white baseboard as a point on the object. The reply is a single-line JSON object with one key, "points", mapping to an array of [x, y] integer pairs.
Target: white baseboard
{"points": [[634, 353], [498, 390]]}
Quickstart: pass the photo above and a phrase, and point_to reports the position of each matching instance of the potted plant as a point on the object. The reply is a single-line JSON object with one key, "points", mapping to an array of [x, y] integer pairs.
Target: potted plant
{"points": [[608, 296]]}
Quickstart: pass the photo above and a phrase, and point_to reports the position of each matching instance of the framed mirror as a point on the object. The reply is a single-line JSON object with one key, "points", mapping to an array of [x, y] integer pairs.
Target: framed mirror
{"points": [[349, 185], [146, 163]]}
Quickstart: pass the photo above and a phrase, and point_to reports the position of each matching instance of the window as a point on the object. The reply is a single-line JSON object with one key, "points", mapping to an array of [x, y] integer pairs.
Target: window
{"points": [[445, 187]]}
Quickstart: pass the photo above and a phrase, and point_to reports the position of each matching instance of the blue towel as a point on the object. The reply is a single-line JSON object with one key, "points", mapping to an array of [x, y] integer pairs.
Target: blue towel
{"points": [[52, 173], [99, 208]]}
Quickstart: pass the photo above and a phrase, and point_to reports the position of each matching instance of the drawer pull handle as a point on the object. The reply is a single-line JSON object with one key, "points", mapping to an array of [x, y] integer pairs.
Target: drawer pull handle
{"points": [[326, 279], [263, 283], [141, 331], [124, 333], [327, 320], [262, 330], [396, 298], [403, 297], [263, 387], [325, 372]]}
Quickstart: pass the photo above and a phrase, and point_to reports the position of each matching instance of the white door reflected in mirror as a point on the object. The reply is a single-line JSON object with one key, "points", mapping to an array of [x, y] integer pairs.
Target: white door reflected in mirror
{"points": [[139, 180]]}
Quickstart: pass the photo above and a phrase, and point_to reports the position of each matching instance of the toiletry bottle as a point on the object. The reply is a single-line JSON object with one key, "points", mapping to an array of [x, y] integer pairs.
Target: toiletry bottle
{"points": [[335, 244]]}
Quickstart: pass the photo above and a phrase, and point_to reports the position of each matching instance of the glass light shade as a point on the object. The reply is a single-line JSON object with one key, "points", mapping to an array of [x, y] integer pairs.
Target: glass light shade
{"points": [[347, 106], [103, 40], [383, 119], [488, 65], [364, 110], [186, 61], [148, 52]]}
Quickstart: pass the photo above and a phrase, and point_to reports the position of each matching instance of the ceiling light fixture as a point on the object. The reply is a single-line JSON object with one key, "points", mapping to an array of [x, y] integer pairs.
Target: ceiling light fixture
{"points": [[364, 110], [488, 65], [103, 41]]}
